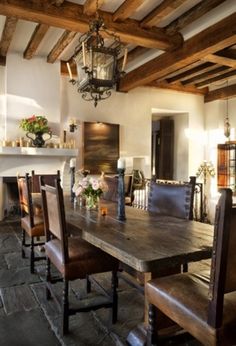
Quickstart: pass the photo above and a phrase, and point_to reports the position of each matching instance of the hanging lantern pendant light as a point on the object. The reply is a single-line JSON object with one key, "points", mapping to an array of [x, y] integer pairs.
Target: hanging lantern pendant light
{"points": [[226, 121], [97, 64]]}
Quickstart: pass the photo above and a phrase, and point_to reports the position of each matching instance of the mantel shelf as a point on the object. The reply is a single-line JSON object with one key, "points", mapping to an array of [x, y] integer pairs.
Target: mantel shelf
{"points": [[37, 151]]}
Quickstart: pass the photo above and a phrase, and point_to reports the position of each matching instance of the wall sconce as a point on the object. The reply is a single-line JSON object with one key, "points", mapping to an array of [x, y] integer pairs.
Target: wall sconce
{"points": [[72, 125]]}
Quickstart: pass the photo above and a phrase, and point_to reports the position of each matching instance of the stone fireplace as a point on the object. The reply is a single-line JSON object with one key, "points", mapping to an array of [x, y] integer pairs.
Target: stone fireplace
{"points": [[19, 160]]}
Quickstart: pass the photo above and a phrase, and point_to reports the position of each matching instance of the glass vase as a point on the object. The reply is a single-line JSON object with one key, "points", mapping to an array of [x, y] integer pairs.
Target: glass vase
{"points": [[92, 202]]}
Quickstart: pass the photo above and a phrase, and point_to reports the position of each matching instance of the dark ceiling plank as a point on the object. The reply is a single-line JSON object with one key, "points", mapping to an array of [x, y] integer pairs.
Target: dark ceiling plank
{"points": [[90, 6], [36, 38], [222, 77], [191, 15], [221, 93], [191, 73], [182, 70], [61, 44], [221, 60], [178, 87], [207, 75], [126, 9], [7, 34], [228, 53], [210, 40], [70, 16], [160, 12]]}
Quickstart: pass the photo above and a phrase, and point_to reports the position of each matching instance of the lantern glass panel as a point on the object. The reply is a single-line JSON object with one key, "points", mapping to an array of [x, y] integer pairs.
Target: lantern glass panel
{"points": [[103, 65]]}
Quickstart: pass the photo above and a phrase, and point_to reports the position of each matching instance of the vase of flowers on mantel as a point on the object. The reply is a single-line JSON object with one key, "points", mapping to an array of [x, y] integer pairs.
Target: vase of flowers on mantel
{"points": [[89, 188], [37, 129]]}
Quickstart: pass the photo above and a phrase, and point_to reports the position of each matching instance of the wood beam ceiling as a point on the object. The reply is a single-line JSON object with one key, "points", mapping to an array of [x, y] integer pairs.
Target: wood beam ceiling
{"points": [[221, 93], [179, 87], [221, 60], [90, 6], [36, 38], [209, 41], [63, 42], [160, 12], [7, 34], [191, 15], [221, 77], [126, 9], [70, 16]]}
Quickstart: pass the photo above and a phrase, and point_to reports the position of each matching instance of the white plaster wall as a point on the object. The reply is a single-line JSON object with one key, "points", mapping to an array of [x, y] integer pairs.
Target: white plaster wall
{"points": [[2, 101], [133, 111], [32, 87]]}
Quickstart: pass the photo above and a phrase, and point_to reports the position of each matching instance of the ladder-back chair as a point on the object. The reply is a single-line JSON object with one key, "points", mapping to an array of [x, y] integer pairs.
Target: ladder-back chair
{"points": [[73, 257]]}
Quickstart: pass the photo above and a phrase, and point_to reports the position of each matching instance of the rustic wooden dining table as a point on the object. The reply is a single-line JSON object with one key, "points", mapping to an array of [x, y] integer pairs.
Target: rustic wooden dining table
{"points": [[144, 241]]}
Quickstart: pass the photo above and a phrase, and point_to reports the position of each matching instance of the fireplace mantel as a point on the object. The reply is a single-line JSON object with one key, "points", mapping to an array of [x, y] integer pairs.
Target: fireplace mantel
{"points": [[20, 160], [37, 151]]}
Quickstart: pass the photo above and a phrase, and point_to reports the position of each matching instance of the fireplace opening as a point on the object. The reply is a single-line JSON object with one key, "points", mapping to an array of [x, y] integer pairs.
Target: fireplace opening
{"points": [[11, 200]]}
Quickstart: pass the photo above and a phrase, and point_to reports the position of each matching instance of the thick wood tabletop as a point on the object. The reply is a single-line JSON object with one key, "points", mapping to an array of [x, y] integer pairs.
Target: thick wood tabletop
{"points": [[144, 241]]}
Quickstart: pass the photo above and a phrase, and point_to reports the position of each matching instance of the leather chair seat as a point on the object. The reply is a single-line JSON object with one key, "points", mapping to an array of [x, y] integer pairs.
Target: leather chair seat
{"points": [[188, 292], [84, 259], [37, 230]]}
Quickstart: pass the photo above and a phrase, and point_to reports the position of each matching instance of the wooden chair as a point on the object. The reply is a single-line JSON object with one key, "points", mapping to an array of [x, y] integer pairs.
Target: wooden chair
{"points": [[31, 224], [172, 199], [203, 304], [49, 179], [112, 193], [73, 257]]}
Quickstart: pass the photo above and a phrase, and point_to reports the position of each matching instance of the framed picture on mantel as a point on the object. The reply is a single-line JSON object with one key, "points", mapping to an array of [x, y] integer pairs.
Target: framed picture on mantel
{"points": [[101, 147]]}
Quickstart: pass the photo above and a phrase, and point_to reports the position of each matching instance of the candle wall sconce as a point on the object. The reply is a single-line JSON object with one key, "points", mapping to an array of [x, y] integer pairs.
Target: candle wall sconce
{"points": [[72, 125]]}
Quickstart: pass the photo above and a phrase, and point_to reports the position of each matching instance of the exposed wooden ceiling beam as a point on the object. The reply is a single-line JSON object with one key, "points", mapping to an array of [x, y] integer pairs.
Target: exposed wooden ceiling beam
{"points": [[191, 15], [220, 60], [70, 16], [191, 73], [222, 77], [7, 34], [207, 75], [178, 87], [126, 9], [221, 93], [61, 44], [36, 38], [210, 40], [160, 12], [90, 6]]}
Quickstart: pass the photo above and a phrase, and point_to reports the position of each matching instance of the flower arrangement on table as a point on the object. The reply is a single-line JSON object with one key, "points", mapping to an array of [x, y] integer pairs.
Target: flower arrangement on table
{"points": [[89, 187], [35, 124]]}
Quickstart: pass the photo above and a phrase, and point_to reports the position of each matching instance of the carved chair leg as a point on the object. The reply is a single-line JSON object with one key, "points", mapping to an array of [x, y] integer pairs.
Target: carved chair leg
{"points": [[65, 308], [48, 278], [32, 256], [22, 243], [88, 284], [114, 285], [152, 328]]}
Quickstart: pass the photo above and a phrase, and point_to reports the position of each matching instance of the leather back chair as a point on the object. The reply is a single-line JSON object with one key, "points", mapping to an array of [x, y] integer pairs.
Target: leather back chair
{"points": [[73, 257], [31, 223], [203, 304], [49, 179], [112, 189], [172, 199], [112, 192]]}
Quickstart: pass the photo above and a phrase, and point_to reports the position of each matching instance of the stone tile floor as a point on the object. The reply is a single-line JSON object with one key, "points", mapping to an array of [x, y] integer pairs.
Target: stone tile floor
{"points": [[26, 318]]}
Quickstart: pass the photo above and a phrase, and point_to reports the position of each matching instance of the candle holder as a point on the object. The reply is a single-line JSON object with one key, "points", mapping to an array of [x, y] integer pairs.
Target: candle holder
{"points": [[72, 181], [121, 195]]}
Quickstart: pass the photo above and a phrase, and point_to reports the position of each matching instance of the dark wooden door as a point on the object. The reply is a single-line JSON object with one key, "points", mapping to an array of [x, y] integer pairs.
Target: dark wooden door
{"points": [[165, 150]]}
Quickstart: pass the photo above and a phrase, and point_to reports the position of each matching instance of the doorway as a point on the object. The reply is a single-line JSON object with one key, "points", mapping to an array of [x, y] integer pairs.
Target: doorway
{"points": [[169, 159]]}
